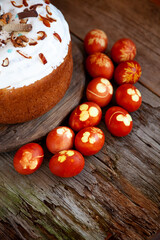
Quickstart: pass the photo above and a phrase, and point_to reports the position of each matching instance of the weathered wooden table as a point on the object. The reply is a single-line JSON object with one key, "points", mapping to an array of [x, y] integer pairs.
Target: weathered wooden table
{"points": [[117, 195]]}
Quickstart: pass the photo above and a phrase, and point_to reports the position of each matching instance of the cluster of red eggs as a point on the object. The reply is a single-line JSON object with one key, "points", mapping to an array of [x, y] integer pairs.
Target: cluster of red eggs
{"points": [[102, 70], [67, 162]]}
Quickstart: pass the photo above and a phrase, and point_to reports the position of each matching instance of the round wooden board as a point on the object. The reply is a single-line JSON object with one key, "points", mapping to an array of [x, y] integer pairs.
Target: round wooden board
{"points": [[14, 136]]}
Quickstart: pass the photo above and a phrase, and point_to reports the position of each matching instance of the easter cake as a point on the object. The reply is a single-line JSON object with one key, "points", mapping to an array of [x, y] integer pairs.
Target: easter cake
{"points": [[35, 59]]}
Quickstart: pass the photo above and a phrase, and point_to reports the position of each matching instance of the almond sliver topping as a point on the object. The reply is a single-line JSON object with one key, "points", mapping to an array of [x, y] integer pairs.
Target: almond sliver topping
{"points": [[56, 35], [45, 21], [50, 19], [5, 62], [43, 59], [24, 54], [47, 1], [14, 4], [33, 42], [42, 35], [25, 3], [48, 10]]}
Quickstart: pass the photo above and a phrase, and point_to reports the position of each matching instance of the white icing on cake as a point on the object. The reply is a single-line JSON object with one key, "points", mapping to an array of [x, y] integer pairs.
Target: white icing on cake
{"points": [[22, 71]]}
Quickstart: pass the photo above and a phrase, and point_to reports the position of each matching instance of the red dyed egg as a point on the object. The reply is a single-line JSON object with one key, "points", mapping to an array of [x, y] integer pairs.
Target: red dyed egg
{"points": [[95, 41], [28, 158], [60, 138], [123, 50], [100, 65], [85, 115], [127, 72], [118, 121], [100, 91], [128, 97], [67, 163], [89, 140]]}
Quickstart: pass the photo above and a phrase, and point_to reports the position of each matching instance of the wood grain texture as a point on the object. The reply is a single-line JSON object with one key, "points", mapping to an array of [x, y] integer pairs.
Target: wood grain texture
{"points": [[116, 196], [13, 136], [138, 20]]}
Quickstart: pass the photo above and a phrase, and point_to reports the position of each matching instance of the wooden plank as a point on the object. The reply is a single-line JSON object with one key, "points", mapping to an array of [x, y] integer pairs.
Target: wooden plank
{"points": [[117, 194], [14, 136], [138, 20]]}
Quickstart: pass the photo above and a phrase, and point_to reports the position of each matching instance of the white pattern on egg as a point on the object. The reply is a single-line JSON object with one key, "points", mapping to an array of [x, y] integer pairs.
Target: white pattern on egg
{"points": [[135, 94], [125, 119]]}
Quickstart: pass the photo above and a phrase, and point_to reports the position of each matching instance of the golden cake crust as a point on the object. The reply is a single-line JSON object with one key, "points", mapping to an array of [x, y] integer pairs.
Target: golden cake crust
{"points": [[29, 102]]}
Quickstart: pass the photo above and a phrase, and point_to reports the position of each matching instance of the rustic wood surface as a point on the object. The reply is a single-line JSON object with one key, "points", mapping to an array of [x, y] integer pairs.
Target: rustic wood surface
{"points": [[14, 136], [117, 195]]}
